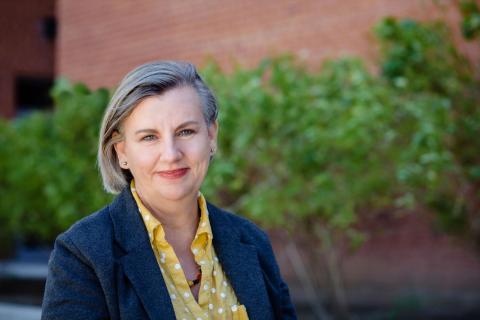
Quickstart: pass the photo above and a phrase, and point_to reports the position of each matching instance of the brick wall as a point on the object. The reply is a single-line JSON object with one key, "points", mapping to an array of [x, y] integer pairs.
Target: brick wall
{"points": [[100, 41], [403, 259], [24, 51]]}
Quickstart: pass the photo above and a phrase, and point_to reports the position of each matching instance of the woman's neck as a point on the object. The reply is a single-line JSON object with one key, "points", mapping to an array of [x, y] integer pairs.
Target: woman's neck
{"points": [[179, 219]]}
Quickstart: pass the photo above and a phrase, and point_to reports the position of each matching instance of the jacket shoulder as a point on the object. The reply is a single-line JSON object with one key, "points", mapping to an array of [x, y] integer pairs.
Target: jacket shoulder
{"points": [[90, 234], [79, 264], [249, 231]]}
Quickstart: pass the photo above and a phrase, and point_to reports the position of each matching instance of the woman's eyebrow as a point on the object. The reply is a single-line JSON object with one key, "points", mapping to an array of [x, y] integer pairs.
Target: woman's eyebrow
{"points": [[145, 131], [181, 126], [187, 123]]}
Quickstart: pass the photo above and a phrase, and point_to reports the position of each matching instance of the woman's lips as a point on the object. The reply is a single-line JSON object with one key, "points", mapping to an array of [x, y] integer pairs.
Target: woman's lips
{"points": [[173, 174]]}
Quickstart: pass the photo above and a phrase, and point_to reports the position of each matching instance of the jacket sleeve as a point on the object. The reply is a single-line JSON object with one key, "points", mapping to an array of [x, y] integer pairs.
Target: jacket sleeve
{"points": [[72, 290], [277, 289]]}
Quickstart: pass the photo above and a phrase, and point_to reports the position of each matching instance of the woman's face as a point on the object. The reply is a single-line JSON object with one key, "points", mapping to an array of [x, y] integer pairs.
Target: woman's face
{"points": [[167, 145]]}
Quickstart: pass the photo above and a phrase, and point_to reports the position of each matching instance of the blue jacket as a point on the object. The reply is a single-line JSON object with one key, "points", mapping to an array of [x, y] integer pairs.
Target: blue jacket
{"points": [[103, 267]]}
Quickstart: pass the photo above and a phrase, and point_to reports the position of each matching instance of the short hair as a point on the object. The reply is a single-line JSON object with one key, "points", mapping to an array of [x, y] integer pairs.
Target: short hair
{"points": [[150, 79]]}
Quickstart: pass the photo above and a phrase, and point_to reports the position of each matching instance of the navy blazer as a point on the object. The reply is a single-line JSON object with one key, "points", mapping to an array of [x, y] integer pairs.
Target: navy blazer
{"points": [[103, 267]]}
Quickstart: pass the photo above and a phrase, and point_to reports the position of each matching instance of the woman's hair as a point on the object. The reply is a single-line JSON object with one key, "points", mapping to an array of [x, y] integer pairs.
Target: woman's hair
{"points": [[150, 79]]}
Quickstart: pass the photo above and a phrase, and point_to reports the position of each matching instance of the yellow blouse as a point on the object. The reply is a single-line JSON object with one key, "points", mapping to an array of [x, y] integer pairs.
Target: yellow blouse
{"points": [[216, 298]]}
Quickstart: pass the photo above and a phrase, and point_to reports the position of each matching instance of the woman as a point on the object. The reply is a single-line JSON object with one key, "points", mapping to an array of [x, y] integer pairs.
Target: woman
{"points": [[159, 250]]}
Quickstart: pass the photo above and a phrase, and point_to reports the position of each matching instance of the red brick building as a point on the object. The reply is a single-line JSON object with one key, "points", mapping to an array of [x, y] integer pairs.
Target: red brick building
{"points": [[99, 41], [26, 55]]}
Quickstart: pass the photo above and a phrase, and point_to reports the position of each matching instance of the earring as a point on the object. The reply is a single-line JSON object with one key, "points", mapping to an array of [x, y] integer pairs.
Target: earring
{"points": [[124, 163]]}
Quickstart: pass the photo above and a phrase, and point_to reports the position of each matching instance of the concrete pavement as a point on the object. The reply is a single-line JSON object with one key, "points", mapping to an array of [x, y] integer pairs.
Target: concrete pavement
{"points": [[19, 312]]}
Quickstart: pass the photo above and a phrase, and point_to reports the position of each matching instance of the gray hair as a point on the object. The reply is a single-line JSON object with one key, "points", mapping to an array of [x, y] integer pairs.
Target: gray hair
{"points": [[150, 79]]}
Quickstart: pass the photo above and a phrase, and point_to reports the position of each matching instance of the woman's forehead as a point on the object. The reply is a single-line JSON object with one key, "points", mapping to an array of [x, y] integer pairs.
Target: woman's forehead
{"points": [[173, 108]]}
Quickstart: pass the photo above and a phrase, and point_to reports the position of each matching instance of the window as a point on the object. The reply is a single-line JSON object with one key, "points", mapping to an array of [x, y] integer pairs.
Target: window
{"points": [[32, 93], [49, 28]]}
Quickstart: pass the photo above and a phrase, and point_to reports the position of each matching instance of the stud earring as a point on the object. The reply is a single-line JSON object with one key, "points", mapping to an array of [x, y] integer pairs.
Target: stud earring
{"points": [[124, 163]]}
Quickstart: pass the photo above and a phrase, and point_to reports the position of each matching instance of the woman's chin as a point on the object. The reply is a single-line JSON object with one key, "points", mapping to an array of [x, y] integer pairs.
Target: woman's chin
{"points": [[175, 193]]}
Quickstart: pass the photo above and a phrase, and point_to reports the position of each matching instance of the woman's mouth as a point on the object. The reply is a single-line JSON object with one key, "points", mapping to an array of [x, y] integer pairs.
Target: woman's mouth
{"points": [[173, 174]]}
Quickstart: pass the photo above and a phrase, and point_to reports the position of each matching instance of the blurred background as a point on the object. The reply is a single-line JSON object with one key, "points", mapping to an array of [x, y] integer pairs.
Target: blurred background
{"points": [[350, 130]]}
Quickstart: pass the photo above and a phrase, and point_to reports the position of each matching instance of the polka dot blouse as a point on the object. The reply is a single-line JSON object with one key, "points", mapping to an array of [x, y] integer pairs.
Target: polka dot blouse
{"points": [[216, 298]]}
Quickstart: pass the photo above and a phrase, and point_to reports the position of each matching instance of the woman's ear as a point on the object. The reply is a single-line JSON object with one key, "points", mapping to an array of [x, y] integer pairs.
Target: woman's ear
{"points": [[212, 134], [120, 150]]}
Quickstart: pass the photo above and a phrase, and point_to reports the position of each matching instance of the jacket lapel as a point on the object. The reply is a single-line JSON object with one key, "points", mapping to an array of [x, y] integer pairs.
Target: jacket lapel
{"points": [[139, 262], [241, 265]]}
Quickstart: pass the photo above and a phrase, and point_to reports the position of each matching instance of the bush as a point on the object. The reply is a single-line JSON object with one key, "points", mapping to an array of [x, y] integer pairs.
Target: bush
{"points": [[422, 63], [49, 176], [296, 146]]}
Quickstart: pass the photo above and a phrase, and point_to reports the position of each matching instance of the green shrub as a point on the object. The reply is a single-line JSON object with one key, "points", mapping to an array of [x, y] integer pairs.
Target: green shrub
{"points": [[420, 60], [421, 56], [7, 216], [49, 179], [296, 145], [471, 19]]}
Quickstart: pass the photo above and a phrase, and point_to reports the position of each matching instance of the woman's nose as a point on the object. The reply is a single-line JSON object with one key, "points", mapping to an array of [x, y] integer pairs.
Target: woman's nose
{"points": [[170, 151]]}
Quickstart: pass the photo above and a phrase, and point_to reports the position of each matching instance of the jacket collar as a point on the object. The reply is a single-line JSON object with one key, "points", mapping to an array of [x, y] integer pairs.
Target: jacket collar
{"points": [[139, 259], [238, 258]]}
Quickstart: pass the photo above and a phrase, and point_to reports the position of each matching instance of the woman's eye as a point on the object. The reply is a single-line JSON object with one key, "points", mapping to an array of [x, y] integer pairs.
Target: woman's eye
{"points": [[150, 137], [186, 132]]}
